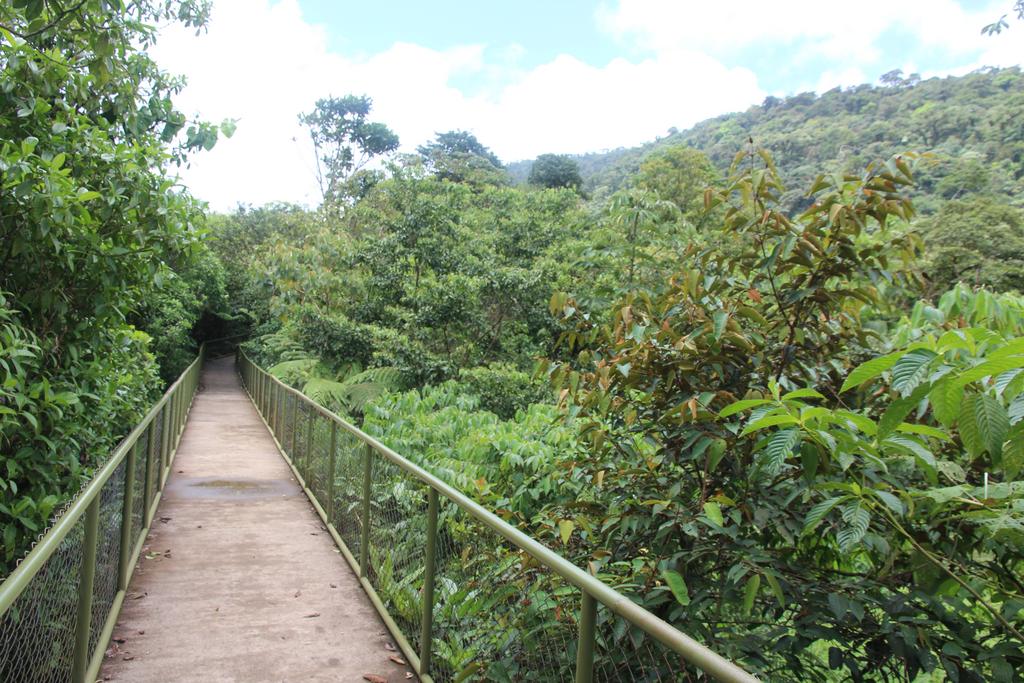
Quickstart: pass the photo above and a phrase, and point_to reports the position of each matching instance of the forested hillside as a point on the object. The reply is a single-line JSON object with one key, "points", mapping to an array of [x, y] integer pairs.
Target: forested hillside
{"points": [[971, 124]]}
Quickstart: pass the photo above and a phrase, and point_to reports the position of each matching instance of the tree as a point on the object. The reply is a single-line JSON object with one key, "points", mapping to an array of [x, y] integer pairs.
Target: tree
{"points": [[679, 174], [92, 226], [977, 241], [555, 170], [345, 141], [996, 27], [458, 156]]}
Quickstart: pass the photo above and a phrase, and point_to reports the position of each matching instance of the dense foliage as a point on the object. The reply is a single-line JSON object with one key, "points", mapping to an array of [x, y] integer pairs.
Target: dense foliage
{"points": [[92, 225]]}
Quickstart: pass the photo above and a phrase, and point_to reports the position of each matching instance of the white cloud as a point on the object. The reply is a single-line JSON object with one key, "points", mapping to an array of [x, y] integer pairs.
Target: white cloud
{"points": [[264, 64], [815, 28]]}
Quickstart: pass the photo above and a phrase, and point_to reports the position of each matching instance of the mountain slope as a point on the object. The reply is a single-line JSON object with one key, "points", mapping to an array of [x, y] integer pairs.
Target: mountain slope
{"points": [[972, 125]]}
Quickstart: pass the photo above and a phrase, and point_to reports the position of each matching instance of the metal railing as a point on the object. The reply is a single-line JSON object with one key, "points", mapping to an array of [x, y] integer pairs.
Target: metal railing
{"points": [[466, 595], [59, 605]]}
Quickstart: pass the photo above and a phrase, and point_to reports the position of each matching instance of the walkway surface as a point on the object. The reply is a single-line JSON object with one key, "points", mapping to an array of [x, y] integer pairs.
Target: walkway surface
{"points": [[238, 579]]}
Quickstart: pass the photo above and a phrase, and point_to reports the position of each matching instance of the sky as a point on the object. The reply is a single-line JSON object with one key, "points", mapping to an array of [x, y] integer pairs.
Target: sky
{"points": [[532, 77]]}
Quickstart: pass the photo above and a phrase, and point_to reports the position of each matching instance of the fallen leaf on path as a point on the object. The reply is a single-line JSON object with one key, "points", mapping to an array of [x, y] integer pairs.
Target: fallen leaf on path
{"points": [[389, 646], [298, 593], [397, 660], [374, 678], [311, 615], [128, 658]]}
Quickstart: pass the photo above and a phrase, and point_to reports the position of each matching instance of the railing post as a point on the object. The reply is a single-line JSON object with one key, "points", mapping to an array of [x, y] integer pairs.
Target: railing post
{"points": [[263, 393], [80, 656], [585, 646], [364, 536], [331, 465], [272, 416], [282, 401], [429, 569], [155, 452], [294, 424], [125, 555], [165, 440], [308, 453]]}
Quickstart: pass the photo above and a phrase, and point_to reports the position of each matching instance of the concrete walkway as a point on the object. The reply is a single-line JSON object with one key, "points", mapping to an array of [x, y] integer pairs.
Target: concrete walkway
{"points": [[239, 581]]}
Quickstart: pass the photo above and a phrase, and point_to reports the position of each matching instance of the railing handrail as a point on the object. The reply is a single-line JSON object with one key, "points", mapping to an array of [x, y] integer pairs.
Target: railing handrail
{"points": [[677, 641], [17, 581]]}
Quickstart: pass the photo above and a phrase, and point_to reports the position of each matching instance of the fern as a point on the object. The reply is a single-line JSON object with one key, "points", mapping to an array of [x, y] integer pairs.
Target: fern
{"points": [[294, 371], [353, 392]]}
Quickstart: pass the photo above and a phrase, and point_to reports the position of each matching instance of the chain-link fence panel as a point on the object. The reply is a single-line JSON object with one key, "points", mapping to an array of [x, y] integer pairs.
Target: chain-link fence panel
{"points": [[499, 615], [37, 633], [348, 476]]}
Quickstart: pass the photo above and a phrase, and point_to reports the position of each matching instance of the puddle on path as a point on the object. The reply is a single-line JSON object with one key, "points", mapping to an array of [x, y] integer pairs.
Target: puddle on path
{"points": [[230, 489]]}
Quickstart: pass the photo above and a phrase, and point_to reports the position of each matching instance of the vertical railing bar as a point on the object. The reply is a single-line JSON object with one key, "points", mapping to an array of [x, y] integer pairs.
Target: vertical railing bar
{"points": [[308, 455], [331, 465], [585, 646], [294, 424], [125, 554], [279, 412], [429, 568], [364, 537], [152, 453], [80, 655]]}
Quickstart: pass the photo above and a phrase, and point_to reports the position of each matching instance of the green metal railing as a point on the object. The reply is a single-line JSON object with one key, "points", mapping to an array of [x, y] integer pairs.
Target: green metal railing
{"points": [[59, 605], [465, 595]]}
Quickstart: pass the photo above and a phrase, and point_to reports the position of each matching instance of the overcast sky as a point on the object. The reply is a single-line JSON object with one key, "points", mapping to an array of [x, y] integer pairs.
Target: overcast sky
{"points": [[536, 76]]}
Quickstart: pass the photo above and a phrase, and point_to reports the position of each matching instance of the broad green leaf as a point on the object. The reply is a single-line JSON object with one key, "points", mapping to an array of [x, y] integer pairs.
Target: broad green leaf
{"points": [[565, 529], [740, 406], [817, 513], [891, 501], [715, 452], [924, 430], [780, 446], [983, 424], [677, 585], [924, 457], [1016, 409], [988, 369], [899, 409], [750, 592], [801, 393], [773, 583], [1013, 451], [769, 421], [911, 369], [720, 319], [857, 519], [945, 399], [869, 370], [714, 512]]}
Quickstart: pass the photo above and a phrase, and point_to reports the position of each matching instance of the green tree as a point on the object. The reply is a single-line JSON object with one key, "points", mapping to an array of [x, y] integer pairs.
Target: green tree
{"points": [[345, 141], [555, 170], [459, 157], [679, 174], [92, 226], [979, 241]]}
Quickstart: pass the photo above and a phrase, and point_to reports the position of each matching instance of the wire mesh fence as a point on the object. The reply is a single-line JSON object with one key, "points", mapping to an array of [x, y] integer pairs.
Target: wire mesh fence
{"points": [[466, 596], [58, 605]]}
